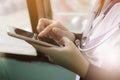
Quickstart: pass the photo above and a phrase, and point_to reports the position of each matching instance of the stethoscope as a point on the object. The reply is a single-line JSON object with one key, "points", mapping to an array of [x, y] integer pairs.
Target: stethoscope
{"points": [[106, 37], [109, 34]]}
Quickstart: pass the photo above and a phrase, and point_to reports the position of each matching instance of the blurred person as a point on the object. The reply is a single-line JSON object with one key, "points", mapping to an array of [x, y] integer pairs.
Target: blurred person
{"points": [[93, 55], [97, 54]]}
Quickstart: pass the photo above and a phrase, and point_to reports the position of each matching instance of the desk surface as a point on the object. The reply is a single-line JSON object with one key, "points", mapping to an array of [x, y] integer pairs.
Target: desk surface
{"points": [[9, 44]]}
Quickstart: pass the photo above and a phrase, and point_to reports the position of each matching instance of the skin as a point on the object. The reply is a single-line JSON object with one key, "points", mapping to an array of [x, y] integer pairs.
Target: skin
{"points": [[67, 56], [53, 29]]}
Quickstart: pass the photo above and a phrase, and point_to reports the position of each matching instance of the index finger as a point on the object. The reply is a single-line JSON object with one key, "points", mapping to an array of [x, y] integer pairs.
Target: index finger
{"points": [[42, 23]]}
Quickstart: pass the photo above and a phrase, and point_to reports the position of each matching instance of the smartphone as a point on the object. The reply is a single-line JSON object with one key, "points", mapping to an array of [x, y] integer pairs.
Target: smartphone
{"points": [[27, 36]]}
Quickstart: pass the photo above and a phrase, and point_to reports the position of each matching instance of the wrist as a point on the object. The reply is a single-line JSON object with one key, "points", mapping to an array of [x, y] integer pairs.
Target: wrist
{"points": [[85, 69], [82, 67]]}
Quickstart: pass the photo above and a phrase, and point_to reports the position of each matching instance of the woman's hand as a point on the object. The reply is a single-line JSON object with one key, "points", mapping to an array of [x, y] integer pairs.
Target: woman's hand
{"points": [[53, 29], [67, 56]]}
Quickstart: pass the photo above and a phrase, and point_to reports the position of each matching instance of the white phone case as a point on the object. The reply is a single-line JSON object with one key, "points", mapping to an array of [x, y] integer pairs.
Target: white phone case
{"points": [[12, 32]]}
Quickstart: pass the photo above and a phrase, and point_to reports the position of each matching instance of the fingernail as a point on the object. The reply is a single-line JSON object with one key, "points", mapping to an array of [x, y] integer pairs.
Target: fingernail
{"points": [[40, 34], [55, 29]]}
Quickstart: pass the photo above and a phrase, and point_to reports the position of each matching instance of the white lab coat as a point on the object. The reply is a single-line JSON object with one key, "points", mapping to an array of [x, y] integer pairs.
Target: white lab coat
{"points": [[107, 54]]}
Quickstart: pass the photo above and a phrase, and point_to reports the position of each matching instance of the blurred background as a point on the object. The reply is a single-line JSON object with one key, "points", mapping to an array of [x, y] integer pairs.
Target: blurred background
{"points": [[14, 13], [71, 13]]}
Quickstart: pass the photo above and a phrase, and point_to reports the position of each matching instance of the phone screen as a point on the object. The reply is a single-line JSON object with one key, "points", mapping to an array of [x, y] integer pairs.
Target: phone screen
{"points": [[26, 33]]}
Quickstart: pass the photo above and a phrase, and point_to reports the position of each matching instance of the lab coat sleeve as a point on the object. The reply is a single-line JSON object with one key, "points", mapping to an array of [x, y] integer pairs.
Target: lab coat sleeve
{"points": [[96, 73]]}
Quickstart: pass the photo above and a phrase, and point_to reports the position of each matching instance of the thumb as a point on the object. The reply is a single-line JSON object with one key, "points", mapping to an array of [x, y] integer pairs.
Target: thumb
{"points": [[65, 41]]}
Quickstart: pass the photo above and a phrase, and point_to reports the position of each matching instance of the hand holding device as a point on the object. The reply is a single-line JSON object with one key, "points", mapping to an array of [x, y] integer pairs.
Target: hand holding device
{"points": [[53, 29], [27, 36]]}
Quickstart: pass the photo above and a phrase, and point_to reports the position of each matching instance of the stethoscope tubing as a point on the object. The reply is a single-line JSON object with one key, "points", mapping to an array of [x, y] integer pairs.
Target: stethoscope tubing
{"points": [[106, 37]]}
